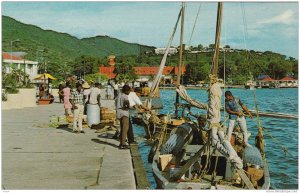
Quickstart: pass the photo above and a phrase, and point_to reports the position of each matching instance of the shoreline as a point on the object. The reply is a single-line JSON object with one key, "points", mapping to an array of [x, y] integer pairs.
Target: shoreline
{"points": [[202, 88], [227, 87]]}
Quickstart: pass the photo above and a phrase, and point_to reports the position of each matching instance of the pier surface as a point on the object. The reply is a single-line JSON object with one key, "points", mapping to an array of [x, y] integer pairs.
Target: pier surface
{"points": [[38, 156]]}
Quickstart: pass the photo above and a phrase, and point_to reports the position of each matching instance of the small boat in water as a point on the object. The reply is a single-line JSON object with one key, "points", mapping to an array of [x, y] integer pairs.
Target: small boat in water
{"points": [[187, 160]]}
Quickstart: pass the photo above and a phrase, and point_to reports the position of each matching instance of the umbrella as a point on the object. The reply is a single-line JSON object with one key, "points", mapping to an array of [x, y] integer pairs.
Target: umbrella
{"points": [[45, 76]]}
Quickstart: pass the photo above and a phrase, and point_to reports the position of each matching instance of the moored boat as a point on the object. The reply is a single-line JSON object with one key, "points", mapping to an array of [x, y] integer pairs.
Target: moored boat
{"points": [[189, 158]]}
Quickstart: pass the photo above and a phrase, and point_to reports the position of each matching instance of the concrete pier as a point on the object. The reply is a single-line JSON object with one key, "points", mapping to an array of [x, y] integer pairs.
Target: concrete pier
{"points": [[37, 156]]}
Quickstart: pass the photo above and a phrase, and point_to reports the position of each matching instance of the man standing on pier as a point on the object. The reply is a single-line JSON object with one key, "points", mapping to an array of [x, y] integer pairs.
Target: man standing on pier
{"points": [[134, 102], [122, 108], [77, 101], [236, 114]]}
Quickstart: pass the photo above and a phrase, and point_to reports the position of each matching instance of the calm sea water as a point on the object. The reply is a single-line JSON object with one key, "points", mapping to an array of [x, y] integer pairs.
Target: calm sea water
{"points": [[280, 133]]}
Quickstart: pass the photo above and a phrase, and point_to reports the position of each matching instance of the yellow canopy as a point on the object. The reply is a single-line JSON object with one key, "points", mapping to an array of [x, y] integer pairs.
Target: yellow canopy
{"points": [[45, 76]]}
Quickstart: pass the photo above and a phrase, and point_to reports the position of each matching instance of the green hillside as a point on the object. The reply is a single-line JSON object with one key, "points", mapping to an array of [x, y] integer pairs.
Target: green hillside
{"points": [[61, 47], [66, 55]]}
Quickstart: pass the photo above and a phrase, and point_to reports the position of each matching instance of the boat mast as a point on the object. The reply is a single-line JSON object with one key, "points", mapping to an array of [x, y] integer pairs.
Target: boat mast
{"points": [[180, 58], [214, 70]]}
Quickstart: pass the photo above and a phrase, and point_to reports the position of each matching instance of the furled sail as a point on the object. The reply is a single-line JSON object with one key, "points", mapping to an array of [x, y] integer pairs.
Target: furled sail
{"points": [[184, 95]]}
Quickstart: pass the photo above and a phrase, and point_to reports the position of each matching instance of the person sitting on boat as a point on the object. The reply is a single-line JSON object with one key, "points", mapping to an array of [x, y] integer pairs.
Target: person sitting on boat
{"points": [[122, 108], [232, 107], [42, 90]]}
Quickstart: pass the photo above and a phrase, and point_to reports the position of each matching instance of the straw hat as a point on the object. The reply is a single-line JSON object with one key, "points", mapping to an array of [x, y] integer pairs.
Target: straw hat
{"points": [[86, 85]]}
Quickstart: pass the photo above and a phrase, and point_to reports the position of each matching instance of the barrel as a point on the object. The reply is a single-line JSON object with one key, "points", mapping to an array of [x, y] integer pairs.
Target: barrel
{"points": [[93, 114]]}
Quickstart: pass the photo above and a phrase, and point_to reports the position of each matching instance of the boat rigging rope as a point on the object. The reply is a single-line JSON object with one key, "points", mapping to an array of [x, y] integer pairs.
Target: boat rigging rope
{"points": [[162, 65], [224, 72], [193, 30], [259, 139], [284, 149]]}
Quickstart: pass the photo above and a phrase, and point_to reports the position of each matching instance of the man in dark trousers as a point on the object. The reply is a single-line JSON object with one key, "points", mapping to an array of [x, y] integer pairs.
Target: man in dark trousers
{"points": [[122, 108]]}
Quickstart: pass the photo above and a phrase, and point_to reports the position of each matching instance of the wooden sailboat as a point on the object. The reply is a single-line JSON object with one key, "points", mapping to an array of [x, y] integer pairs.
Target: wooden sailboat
{"points": [[187, 159]]}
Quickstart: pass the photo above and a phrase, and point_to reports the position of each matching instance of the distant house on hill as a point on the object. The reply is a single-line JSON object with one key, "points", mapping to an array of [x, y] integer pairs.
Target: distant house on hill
{"points": [[146, 73], [17, 61], [288, 82], [163, 50], [264, 81]]}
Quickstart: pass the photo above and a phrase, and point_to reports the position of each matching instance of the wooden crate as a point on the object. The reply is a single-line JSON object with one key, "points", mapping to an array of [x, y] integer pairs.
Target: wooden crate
{"points": [[108, 116]]}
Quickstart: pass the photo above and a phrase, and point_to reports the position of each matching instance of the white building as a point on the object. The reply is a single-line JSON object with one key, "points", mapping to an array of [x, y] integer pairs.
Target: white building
{"points": [[288, 82], [163, 50], [10, 61]]}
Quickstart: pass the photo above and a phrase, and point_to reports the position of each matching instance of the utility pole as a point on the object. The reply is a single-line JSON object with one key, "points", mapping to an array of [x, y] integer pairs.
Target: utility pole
{"points": [[83, 68], [11, 50]]}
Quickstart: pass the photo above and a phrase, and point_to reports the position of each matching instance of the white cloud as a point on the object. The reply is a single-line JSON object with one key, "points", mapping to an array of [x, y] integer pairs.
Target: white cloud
{"points": [[151, 23], [290, 32], [287, 17]]}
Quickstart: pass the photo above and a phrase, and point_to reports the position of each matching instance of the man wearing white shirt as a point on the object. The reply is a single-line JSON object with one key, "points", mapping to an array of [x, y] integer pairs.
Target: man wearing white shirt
{"points": [[95, 95], [134, 101]]}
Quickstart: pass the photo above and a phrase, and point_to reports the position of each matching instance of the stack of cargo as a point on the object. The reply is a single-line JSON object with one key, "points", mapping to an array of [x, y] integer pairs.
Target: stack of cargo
{"points": [[107, 115]]}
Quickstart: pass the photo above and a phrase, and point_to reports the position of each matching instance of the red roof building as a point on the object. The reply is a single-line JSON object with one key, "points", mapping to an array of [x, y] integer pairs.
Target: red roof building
{"points": [[288, 82], [268, 79], [287, 78], [107, 71], [142, 71], [10, 62], [8, 56]]}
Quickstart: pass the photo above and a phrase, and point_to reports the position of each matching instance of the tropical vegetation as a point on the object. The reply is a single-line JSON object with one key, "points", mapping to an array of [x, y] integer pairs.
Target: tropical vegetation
{"points": [[63, 55]]}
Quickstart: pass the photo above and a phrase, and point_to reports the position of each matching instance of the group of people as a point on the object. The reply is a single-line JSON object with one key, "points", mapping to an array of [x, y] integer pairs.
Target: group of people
{"points": [[126, 100], [76, 101]]}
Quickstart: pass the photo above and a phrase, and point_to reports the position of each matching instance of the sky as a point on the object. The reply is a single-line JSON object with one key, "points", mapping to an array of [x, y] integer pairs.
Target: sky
{"points": [[260, 26]]}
